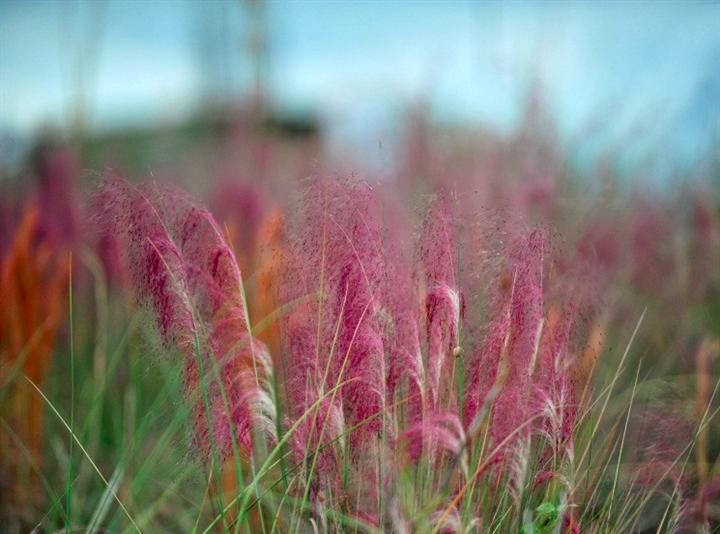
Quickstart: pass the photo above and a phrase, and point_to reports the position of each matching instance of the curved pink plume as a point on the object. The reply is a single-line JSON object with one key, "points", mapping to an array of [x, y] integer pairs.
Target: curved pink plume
{"points": [[444, 305], [182, 267], [436, 432], [334, 327], [156, 264], [405, 366], [518, 315], [554, 393]]}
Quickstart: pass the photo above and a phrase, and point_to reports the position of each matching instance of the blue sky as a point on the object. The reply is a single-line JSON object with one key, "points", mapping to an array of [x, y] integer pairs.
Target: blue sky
{"points": [[357, 64]]}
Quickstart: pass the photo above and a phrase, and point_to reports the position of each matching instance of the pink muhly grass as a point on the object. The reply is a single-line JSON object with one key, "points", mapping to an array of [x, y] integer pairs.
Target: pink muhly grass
{"points": [[662, 430], [57, 199], [510, 344], [156, 265], [443, 301], [335, 336], [406, 369], [554, 394], [183, 270], [574, 289], [703, 508], [436, 432], [109, 252], [245, 363], [451, 523]]}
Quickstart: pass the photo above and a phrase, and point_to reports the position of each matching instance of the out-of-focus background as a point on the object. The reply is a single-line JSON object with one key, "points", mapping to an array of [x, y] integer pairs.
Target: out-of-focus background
{"points": [[350, 74]]}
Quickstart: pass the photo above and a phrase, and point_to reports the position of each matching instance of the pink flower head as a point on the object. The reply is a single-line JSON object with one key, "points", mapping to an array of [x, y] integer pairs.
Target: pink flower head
{"points": [[511, 337], [444, 305], [183, 270], [439, 432], [554, 396], [333, 331], [406, 370]]}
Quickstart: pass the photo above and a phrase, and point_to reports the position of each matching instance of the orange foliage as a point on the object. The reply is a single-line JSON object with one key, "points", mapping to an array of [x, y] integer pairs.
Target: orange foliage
{"points": [[264, 303], [33, 281], [263, 311]]}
